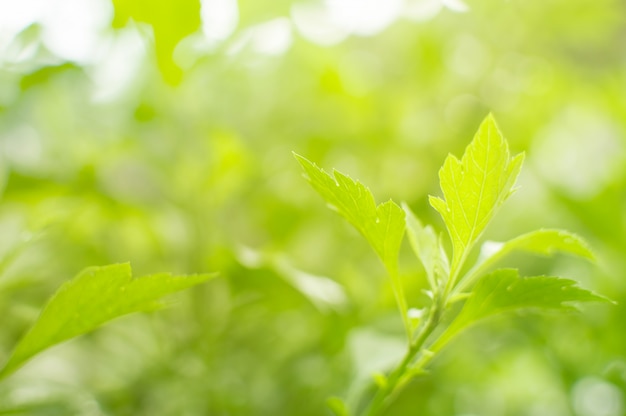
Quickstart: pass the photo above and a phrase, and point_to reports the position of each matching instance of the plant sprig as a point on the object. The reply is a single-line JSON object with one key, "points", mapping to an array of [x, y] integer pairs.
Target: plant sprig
{"points": [[474, 188], [94, 297]]}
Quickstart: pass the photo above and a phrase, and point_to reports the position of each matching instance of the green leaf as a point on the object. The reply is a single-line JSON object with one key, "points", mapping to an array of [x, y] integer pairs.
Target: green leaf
{"points": [[382, 225], [474, 187], [548, 242], [93, 297], [428, 248], [337, 406], [542, 242], [171, 22], [504, 291]]}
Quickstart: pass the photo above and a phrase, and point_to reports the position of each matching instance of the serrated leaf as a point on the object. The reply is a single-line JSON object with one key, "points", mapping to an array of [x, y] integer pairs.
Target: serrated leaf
{"points": [[504, 290], [543, 242], [171, 22], [428, 248], [548, 242], [382, 225], [94, 297], [475, 186]]}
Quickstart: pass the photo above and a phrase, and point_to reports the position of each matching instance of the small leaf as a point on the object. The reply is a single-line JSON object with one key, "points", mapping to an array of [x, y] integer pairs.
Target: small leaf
{"points": [[428, 248], [475, 187], [382, 225], [337, 406], [542, 242], [548, 242], [504, 291], [95, 296]]}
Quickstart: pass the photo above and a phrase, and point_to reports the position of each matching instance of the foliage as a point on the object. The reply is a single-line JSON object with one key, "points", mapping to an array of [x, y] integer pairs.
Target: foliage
{"points": [[382, 225], [474, 188], [170, 23], [161, 135], [504, 291], [95, 296]]}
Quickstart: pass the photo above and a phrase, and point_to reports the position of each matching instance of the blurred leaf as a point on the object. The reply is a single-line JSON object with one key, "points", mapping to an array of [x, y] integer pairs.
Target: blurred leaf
{"points": [[252, 11], [382, 225], [504, 291], [475, 187], [95, 296], [427, 246], [337, 406], [44, 74], [171, 22]]}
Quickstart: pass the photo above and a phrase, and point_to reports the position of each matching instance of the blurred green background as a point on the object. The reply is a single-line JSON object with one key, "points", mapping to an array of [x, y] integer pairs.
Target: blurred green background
{"points": [[161, 133]]}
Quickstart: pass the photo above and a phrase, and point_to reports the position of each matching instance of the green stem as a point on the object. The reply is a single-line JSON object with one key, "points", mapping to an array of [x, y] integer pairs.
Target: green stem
{"points": [[454, 274], [395, 379], [398, 293], [405, 371], [480, 268]]}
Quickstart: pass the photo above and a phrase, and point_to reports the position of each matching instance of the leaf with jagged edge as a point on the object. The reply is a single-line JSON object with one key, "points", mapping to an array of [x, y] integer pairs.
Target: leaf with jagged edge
{"points": [[475, 187], [428, 248], [382, 225], [545, 242], [94, 297], [504, 291]]}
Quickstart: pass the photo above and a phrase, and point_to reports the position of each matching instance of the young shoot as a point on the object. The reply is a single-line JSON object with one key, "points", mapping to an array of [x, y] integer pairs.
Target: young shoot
{"points": [[474, 188]]}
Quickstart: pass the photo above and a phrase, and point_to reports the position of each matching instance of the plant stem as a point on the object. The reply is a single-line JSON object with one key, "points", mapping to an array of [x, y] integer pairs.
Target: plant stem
{"points": [[398, 293], [454, 274], [404, 371], [394, 381], [480, 268]]}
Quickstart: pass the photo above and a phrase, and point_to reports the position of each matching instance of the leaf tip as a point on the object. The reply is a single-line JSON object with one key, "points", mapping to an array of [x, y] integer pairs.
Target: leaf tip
{"points": [[301, 159], [489, 122], [437, 203]]}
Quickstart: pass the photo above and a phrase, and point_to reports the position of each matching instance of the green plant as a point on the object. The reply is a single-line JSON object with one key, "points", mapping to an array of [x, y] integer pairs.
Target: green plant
{"points": [[95, 296], [474, 187]]}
